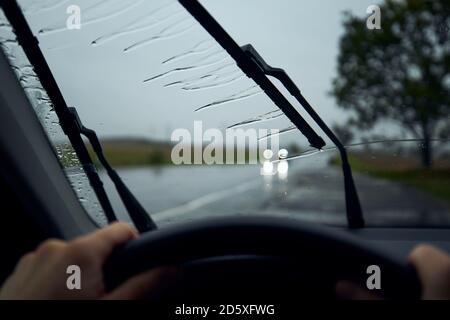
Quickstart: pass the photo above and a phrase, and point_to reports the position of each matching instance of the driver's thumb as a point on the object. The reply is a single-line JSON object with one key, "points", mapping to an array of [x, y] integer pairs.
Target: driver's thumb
{"points": [[433, 267]]}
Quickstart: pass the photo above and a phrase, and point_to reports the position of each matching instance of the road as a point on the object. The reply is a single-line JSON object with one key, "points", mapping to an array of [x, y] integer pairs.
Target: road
{"points": [[313, 191]]}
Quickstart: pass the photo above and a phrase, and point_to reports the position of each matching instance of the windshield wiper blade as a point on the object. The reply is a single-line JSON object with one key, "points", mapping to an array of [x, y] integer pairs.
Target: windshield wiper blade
{"points": [[252, 70], [72, 126], [252, 64]]}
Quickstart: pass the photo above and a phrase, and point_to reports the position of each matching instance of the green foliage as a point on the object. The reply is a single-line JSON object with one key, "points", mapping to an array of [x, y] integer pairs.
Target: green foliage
{"points": [[134, 152], [344, 133], [158, 157], [399, 73]]}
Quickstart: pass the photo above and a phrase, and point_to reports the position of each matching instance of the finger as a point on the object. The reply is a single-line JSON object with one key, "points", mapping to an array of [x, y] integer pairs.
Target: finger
{"points": [[25, 266], [26, 261], [143, 284], [425, 259], [350, 291], [433, 268], [107, 238]]}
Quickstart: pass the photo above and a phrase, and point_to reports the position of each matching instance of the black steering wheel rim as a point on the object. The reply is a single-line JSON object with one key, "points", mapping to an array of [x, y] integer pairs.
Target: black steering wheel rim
{"points": [[263, 236]]}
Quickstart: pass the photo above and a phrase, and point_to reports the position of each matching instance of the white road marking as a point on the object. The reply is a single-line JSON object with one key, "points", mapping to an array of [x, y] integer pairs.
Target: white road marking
{"points": [[205, 200]]}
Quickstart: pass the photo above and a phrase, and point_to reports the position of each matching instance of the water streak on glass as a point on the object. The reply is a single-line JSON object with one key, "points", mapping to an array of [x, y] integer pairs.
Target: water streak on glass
{"points": [[202, 47], [204, 64], [274, 114], [280, 132], [179, 28], [211, 78], [244, 94], [115, 12], [226, 80], [147, 21], [215, 73]]}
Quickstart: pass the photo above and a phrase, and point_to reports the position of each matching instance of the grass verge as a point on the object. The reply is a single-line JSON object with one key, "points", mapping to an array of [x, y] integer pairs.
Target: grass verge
{"points": [[434, 181]]}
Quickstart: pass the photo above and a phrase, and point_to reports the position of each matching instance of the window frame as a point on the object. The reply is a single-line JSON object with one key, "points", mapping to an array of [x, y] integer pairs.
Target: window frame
{"points": [[31, 166]]}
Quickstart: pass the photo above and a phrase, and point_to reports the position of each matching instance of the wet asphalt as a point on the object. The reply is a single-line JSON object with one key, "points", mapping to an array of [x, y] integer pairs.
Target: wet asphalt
{"points": [[312, 191]]}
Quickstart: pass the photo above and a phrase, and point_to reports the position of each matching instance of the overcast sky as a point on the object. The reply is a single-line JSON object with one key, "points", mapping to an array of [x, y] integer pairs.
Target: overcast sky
{"points": [[107, 86]]}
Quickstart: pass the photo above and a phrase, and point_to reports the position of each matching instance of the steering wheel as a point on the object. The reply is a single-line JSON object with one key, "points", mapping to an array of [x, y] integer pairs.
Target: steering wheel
{"points": [[261, 257]]}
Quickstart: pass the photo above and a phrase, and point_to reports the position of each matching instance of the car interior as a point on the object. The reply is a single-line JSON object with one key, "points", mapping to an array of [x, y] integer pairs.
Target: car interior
{"points": [[259, 256]]}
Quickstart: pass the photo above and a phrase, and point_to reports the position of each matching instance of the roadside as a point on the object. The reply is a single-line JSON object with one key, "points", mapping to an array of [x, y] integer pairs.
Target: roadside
{"points": [[435, 181], [313, 191]]}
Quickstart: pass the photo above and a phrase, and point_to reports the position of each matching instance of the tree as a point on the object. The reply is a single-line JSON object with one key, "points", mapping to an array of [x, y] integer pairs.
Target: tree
{"points": [[344, 133], [399, 73]]}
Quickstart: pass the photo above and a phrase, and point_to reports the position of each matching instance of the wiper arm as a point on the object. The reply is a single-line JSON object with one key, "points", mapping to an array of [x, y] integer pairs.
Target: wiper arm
{"points": [[354, 212], [137, 213], [255, 67], [71, 124]]}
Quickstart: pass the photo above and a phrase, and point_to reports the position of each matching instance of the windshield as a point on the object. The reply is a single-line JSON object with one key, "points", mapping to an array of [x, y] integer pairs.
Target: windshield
{"points": [[194, 137]]}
